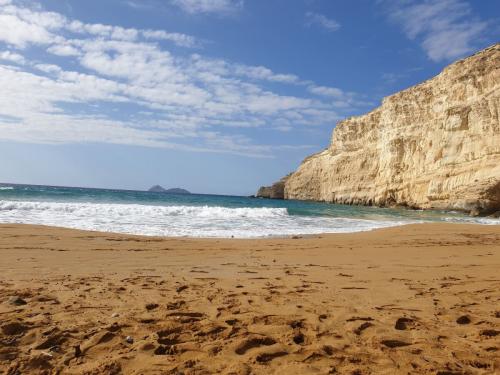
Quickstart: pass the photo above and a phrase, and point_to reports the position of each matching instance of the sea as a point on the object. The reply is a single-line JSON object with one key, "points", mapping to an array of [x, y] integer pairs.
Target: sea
{"points": [[199, 215]]}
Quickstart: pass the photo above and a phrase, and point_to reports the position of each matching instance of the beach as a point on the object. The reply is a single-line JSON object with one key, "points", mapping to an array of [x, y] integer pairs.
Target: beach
{"points": [[420, 298], [238, 187]]}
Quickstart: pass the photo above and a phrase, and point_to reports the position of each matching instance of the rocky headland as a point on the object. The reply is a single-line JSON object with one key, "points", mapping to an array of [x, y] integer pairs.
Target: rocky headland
{"points": [[435, 145], [275, 191]]}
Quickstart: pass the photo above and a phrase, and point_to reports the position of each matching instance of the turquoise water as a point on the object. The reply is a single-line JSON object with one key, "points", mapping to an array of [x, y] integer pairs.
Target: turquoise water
{"points": [[197, 215]]}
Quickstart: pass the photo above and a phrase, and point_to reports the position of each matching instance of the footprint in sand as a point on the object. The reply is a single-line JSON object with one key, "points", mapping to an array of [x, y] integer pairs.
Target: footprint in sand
{"points": [[355, 318], [394, 343], [362, 327], [175, 305], [464, 319], [269, 355], [299, 338], [187, 317], [11, 329], [253, 342], [404, 324], [322, 317], [489, 333]]}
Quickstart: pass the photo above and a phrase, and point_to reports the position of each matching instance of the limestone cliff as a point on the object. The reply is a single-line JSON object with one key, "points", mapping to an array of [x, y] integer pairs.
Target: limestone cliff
{"points": [[434, 145]]}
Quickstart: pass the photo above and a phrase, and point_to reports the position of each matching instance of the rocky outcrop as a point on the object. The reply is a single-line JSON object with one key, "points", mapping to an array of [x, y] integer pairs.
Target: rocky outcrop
{"points": [[275, 191], [433, 146]]}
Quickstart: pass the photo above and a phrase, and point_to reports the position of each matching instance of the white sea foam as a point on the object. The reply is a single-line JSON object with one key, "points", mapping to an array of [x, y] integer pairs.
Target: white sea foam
{"points": [[194, 221], [472, 220], [6, 188]]}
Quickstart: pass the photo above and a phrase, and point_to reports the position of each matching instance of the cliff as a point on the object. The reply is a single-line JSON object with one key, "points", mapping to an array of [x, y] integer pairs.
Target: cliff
{"points": [[434, 145]]}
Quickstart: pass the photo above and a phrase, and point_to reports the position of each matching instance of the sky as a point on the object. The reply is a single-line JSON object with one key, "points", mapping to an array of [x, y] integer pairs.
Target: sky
{"points": [[215, 96]]}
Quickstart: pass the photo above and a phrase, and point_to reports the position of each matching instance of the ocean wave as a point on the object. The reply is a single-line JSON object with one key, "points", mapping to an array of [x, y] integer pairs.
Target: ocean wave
{"points": [[211, 212], [6, 188], [193, 221]]}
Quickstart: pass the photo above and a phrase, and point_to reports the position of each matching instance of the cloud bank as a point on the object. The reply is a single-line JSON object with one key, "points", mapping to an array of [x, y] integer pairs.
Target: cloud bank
{"points": [[66, 81]]}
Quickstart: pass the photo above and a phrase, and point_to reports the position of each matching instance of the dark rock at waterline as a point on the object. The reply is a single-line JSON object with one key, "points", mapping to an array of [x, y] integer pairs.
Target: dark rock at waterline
{"points": [[275, 191], [495, 215]]}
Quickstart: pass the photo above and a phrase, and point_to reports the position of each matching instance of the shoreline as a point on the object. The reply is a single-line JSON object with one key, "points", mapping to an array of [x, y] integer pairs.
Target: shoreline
{"points": [[419, 298], [270, 237], [256, 238], [439, 227], [261, 238]]}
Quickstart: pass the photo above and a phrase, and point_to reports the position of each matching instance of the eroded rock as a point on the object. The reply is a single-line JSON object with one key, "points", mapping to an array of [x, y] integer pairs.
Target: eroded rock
{"points": [[434, 145]]}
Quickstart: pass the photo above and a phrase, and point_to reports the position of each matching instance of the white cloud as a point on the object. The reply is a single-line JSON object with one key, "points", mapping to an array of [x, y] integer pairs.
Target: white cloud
{"points": [[339, 99], [446, 29], [105, 31], [123, 88], [16, 31], [63, 50], [263, 73], [22, 26], [327, 91], [12, 57], [48, 68], [221, 67], [209, 6], [322, 21], [182, 40]]}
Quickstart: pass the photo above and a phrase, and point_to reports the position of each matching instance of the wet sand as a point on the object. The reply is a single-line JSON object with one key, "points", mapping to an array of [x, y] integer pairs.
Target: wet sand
{"points": [[418, 299]]}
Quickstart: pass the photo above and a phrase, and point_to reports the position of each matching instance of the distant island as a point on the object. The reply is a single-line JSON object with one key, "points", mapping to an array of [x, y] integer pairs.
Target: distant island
{"points": [[160, 189]]}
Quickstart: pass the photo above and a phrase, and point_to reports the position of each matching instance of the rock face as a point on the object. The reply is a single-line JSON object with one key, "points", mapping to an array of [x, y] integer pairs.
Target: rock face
{"points": [[275, 191], [434, 145], [159, 189]]}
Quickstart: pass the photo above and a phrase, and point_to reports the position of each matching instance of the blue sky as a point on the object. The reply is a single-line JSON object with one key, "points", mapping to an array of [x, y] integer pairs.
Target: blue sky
{"points": [[216, 96]]}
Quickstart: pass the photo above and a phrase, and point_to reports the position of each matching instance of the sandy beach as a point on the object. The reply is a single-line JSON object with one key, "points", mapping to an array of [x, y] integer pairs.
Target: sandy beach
{"points": [[417, 299]]}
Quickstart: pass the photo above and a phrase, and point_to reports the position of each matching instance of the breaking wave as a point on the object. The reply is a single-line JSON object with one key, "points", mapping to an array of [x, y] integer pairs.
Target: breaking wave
{"points": [[181, 220]]}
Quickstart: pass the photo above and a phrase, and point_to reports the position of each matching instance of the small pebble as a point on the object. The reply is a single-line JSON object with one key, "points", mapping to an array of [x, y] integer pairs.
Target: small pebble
{"points": [[129, 339], [115, 315]]}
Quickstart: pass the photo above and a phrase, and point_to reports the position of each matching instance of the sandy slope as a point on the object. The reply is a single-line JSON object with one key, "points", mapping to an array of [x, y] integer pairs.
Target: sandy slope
{"points": [[382, 302]]}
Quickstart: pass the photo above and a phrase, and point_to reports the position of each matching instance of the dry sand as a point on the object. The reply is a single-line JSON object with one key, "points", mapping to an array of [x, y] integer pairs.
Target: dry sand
{"points": [[419, 299]]}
